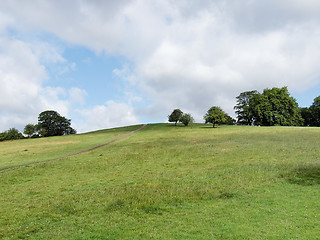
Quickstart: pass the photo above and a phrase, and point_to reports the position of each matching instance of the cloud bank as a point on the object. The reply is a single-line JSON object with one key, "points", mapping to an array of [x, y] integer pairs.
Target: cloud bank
{"points": [[186, 54]]}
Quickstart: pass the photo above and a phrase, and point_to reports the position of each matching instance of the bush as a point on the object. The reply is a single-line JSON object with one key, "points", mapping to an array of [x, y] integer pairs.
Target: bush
{"points": [[11, 134], [186, 119]]}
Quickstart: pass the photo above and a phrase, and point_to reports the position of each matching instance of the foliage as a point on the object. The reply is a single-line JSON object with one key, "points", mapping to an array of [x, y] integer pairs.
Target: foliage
{"points": [[51, 123], [307, 116], [175, 116], [245, 116], [11, 134], [229, 120], [315, 112], [275, 107], [186, 119], [215, 115], [29, 130]]}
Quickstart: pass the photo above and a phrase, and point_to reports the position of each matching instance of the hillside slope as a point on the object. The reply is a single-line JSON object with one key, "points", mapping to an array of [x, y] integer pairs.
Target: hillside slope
{"points": [[28, 151], [165, 182]]}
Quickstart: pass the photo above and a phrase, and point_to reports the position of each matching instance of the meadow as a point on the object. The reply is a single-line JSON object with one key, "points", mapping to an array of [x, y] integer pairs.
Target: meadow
{"points": [[164, 182]]}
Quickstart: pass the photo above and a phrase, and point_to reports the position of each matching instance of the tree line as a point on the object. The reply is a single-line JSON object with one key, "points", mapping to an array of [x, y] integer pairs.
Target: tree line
{"points": [[50, 123], [275, 107], [272, 107], [215, 115]]}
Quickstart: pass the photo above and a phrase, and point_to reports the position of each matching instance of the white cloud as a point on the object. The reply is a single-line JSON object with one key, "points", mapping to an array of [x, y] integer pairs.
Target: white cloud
{"points": [[22, 77], [111, 114], [185, 54], [77, 95], [195, 74], [46, 52]]}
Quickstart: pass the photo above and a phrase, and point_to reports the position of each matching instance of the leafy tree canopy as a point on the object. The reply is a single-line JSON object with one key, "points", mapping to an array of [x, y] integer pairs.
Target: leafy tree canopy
{"points": [[229, 120], [307, 116], [215, 115], [51, 123], [275, 107], [29, 130], [315, 112], [11, 134], [175, 116], [186, 119], [245, 116]]}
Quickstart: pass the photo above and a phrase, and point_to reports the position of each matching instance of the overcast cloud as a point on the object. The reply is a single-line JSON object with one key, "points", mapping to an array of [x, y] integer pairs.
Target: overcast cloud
{"points": [[186, 54]]}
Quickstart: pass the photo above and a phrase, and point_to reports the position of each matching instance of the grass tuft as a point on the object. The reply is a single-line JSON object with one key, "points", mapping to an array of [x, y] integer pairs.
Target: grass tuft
{"points": [[306, 175]]}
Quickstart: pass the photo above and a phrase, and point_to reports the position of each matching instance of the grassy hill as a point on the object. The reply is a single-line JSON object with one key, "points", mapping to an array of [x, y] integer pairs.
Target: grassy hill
{"points": [[164, 182]]}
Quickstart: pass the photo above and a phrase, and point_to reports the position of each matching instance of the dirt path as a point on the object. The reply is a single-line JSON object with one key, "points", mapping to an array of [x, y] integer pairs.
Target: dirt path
{"points": [[84, 151]]}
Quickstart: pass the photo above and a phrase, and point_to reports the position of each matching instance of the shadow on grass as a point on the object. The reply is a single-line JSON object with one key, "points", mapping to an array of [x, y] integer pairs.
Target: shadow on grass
{"points": [[306, 175], [177, 126]]}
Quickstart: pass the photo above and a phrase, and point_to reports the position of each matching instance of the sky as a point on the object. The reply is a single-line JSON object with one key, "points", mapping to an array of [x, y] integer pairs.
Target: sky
{"points": [[111, 63]]}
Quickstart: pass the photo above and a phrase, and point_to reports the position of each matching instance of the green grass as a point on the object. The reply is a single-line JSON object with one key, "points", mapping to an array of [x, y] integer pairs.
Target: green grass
{"points": [[41, 149], [165, 182]]}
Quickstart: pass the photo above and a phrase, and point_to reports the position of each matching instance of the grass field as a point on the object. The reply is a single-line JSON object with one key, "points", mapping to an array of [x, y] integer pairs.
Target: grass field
{"points": [[164, 182]]}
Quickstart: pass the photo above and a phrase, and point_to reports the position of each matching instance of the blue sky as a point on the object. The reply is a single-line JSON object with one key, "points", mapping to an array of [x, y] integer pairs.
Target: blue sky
{"points": [[113, 63], [305, 99]]}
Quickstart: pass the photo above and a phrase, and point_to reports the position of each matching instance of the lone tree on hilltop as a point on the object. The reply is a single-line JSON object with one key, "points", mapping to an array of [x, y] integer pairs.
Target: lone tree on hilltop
{"points": [[175, 116], [51, 123], [186, 119], [215, 115]]}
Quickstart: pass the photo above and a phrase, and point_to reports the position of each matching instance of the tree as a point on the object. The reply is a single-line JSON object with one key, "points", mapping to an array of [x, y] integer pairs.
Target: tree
{"points": [[11, 134], [186, 119], [2, 136], [275, 107], [242, 107], [175, 116], [70, 130], [307, 116], [215, 115], [229, 120], [51, 123], [40, 130], [315, 112], [29, 130]]}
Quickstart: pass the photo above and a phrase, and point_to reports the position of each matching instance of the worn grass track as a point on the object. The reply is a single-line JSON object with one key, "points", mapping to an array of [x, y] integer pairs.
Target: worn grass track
{"points": [[167, 182], [117, 138]]}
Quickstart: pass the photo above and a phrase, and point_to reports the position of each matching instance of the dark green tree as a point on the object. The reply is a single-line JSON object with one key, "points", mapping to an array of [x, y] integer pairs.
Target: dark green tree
{"points": [[215, 115], [275, 107], [41, 132], [186, 119], [307, 116], [29, 130], [229, 120], [175, 116], [244, 115], [315, 112], [11, 134], [2, 136], [51, 123]]}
